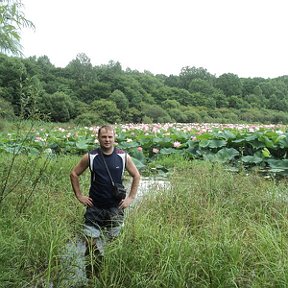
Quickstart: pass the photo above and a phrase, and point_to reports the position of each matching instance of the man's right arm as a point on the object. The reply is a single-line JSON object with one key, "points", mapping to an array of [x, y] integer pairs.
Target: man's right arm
{"points": [[74, 177]]}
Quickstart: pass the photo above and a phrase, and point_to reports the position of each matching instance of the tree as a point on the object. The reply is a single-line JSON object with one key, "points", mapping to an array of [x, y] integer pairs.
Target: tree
{"points": [[189, 73], [177, 115], [120, 100], [220, 98], [199, 99], [171, 104], [192, 115], [13, 76], [156, 113], [237, 102], [230, 84], [12, 20], [6, 109], [58, 106], [31, 94], [80, 69], [202, 86], [110, 73], [106, 110], [182, 96], [94, 90]]}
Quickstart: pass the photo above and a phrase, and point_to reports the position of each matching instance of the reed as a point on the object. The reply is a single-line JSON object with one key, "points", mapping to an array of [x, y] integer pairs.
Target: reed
{"points": [[210, 228]]}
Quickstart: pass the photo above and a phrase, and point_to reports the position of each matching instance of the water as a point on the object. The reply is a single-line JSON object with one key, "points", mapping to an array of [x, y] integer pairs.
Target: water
{"points": [[150, 185], [73, 264]]}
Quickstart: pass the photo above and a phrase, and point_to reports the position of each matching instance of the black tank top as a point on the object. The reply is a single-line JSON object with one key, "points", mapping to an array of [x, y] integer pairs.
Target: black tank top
{"points": [[101, 186]]}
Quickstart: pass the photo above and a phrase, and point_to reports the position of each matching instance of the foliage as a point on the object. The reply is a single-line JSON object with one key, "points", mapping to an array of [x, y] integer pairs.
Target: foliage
{"points": [[12, 19], [210, 229], [58, 106], [207, 228], [193, 95], [240, 146], [105, 109], [6, 109]]}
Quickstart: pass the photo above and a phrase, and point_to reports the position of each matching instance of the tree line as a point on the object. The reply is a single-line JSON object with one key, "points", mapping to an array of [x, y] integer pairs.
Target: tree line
{"points": [[87, 94]]}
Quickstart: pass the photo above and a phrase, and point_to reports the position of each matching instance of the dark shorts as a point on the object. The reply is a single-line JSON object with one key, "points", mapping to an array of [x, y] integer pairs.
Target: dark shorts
{"points": [[100, 217]]}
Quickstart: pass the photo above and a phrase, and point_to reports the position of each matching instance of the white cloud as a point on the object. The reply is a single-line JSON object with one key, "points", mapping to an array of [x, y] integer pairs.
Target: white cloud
{"points": [[244, 37]]}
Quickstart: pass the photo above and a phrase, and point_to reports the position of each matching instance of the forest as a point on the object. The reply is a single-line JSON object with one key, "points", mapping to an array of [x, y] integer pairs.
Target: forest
{"points": [[85, 94]]}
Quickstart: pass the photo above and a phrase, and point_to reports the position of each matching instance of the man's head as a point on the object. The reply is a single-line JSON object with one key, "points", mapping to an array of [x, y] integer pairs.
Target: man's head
{"points": [[106, 137]]}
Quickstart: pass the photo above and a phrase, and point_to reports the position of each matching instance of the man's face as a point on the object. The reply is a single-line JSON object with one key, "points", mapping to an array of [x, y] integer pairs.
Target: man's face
{"points": [[106, 138]]}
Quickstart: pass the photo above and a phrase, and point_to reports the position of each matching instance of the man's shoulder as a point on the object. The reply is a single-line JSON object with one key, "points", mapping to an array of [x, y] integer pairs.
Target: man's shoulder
{"points": [[94, 152], [119, 151]]}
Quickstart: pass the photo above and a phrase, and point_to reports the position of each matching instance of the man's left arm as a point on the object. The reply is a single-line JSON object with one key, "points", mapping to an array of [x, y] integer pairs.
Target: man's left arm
{"points": [[134, 173]]}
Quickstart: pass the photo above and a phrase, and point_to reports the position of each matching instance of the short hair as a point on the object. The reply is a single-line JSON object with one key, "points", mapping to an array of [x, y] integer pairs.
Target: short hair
{"points": [[106, 127]]}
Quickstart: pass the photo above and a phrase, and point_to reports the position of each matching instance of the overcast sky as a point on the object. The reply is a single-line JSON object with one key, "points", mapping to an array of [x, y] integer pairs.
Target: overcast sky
{"points": [[244, 37]]}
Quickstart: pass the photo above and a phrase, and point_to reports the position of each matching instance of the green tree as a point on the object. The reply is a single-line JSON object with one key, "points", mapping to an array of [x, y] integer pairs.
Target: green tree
{"points": [[192, 116], [12, 78], [32, 92], [156, 113], [80, 69], [230, 84], [188, 74], [255, 101], [170, 104], [88, 119], [220, 98], [200, 99], [110, 73], [106, 110], [12, 20], [172, 81], [141, 87], [57, 106], [94, 90], [183, 96], [177, 115], [202, 86], [134, 115], [6, 109], [237, 102], [120, 100]]}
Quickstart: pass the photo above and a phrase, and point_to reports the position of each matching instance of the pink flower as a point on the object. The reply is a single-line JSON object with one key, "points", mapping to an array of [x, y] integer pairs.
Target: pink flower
{"points": [[176, 144], [155, 150], [140, 149]]}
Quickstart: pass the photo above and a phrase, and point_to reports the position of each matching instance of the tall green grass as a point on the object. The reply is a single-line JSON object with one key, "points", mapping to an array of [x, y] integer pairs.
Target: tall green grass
{"points": [[211, 228], [36, 221]]}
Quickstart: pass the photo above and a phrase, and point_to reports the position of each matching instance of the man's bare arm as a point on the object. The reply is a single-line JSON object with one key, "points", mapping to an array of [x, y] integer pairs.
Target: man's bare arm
{"points": [[74, 177]]}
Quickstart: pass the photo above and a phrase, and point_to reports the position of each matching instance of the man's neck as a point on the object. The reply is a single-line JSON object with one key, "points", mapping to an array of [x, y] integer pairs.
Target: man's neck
{"points": [[107, 151]]}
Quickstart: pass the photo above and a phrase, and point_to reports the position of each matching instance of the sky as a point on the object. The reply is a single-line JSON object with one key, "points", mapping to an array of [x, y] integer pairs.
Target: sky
{"points": [[244, 37]]}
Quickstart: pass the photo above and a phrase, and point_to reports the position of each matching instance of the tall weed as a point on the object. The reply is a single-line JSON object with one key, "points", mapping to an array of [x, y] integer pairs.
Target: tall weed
{"points": [[209, 228]]}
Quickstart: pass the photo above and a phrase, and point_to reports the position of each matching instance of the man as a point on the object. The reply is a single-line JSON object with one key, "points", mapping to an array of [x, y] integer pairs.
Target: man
{"points": [[105, 212]]}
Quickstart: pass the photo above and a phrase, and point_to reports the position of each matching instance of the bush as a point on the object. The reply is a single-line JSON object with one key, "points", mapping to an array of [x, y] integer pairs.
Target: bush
{"points": [[88, 119], [6, 109]]}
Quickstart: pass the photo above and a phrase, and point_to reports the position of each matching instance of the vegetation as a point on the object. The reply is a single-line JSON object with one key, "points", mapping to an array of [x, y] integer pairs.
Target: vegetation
{"points": [[87, 94], [210, 228], [216, 230], [12, 19], [240, 146]]}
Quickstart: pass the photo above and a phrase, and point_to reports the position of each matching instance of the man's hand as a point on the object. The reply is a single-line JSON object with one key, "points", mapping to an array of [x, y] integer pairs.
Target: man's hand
{"points": [[126, 202], [87, 201]]}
